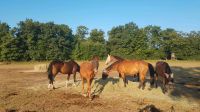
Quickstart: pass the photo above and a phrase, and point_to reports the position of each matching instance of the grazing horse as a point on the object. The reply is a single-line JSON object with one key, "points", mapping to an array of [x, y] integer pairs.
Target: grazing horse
{"points": [[70, 67], [88, 70], [112, 58], [128, 67], [163, 70]]}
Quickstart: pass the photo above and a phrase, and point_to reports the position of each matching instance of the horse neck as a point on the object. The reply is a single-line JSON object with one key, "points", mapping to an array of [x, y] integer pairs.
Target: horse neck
{"points": [[116, 58], [113, 66], [94, 63]]}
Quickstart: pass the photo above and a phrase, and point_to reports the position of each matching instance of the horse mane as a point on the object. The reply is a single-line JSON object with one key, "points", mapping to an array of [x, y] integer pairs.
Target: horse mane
{"points": [[110, 66], [56, 61], [117, 57], [95, 57]]}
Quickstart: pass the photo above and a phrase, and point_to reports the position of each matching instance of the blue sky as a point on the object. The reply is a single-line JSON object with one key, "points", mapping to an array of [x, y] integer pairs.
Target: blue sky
{"points": [[182, 15]]}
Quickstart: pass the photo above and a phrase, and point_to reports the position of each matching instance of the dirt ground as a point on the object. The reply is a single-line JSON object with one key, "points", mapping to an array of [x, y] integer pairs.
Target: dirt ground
{"points": [[23, 91]]}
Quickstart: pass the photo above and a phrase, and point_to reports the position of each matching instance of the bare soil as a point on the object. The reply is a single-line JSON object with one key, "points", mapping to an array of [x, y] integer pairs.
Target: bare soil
{"points": [[23, 91]]}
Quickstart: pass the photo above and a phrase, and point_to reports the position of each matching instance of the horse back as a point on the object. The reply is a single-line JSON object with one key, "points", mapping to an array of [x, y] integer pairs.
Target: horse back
{"points": [[70, 67], [132, 66], [86, 69], [161, 68]]}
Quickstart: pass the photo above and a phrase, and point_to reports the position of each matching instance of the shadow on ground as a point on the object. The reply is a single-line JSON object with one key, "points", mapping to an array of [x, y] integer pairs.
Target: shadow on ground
{"points": [[100, 84], [187, 82]]}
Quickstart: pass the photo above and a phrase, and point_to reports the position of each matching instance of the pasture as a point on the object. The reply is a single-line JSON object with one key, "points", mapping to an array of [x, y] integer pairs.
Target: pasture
{"points": [[25, 90]]}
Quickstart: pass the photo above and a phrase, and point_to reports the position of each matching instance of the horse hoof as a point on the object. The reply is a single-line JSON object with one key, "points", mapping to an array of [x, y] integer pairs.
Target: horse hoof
{"points": [[74, 85], [84, 95]]}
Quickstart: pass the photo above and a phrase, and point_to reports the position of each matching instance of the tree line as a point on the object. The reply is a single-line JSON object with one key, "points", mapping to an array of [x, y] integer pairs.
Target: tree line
{"points": [[33, 40]]}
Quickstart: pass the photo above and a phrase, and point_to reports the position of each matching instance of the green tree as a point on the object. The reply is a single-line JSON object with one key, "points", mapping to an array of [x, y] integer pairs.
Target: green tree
{"points": [[127, 41], [97, 36], [81, 32]]}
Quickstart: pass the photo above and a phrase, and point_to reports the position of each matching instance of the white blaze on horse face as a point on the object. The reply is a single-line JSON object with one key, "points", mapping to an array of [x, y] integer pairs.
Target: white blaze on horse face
{"points": [[167, 75], [172, 75], [104, 70], [95, 70], [108, 59]]}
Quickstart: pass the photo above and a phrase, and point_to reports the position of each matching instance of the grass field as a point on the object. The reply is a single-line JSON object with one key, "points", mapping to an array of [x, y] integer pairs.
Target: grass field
{"points": [[23, 90]]}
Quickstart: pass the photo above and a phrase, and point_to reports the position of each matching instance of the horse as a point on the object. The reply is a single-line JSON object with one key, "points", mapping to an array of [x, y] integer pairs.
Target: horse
{"points": [[88, 70], [163, 70], [128, 67], [113, 58], [56, 66]]}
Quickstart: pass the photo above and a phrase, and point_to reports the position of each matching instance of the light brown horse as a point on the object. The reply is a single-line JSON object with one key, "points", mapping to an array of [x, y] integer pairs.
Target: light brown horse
{"points": [[88, 70], [128, 67], [70, 67], [112, 58]]}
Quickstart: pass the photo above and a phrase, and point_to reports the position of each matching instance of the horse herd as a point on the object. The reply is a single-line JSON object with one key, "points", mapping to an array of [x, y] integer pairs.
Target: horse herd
{"points": [[124, 67]]}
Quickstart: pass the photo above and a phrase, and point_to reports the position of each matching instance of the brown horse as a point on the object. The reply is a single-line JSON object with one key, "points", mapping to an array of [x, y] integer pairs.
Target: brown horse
{"points": [[88, 70], [163, 70], [70, 67], [128, 67], [112, 58]]}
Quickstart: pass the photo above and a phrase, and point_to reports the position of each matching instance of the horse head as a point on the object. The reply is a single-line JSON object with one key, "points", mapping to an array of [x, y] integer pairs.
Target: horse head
{"points": [[95, 64], [170, 78], [112, 58], [104, 74], [108, 59]]}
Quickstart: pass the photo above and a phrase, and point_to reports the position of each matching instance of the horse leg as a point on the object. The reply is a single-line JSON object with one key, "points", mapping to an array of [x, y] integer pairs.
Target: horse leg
{"points": [[156, 81], [142, 82], [124, 79], [74, 78], [51, 86], [120, 75], [89, 82], [138, 77], [164, 86], [68, 76], [83, 86]]}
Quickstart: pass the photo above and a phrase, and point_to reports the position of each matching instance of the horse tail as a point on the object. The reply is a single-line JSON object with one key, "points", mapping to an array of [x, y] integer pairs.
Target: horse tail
{"points": [[152, 74], [49, 71], [78, 68]]}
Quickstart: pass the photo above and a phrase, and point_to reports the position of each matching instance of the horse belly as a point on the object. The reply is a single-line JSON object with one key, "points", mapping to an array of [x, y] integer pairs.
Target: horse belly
{"points": [[66, 71], [129, 69]]}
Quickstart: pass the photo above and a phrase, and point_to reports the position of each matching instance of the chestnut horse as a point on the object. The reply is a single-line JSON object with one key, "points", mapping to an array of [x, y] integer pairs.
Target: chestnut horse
{"points": [[128, 67], [88, 70], [112, 58], [163, 70], [70, 67]]}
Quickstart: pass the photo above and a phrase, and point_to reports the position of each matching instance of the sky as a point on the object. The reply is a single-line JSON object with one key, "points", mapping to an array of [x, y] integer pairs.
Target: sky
{"points": [[182, 15]]}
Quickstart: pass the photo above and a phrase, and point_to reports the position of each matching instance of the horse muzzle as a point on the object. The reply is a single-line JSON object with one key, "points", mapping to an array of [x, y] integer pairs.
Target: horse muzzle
{"points": [[104, 75]]}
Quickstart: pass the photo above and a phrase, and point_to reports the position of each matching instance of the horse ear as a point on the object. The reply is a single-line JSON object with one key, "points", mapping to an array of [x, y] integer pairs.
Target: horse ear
{"points": [[167, 75]]}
